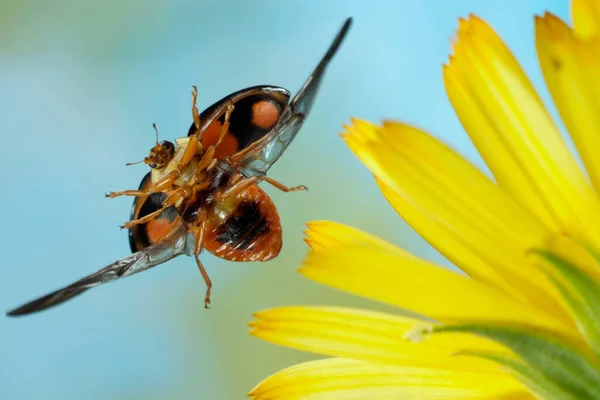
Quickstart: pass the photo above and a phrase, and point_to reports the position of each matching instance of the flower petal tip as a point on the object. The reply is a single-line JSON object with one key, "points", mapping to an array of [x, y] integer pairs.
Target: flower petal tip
{"points": [[259, 315], [312, 224], [256, 390], [474, 20], [552, 29], [356, 120]]}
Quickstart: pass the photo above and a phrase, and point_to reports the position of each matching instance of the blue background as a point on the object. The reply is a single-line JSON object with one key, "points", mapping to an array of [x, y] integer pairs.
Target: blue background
{"points": [[81, 84]]}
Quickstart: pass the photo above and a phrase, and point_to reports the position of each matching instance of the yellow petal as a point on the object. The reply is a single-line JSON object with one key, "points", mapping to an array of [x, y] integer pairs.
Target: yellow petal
{"points": [[368, 335], [329, 234], [571, 68], [475, 262], [422, 287], [456, 208], [514, 133], [585, 15], [491, 145], [339, 378]]}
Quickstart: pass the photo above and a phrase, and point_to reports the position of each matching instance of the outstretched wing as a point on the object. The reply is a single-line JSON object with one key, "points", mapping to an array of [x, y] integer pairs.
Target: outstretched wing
{"points": [[256, 159], [171, 246]]}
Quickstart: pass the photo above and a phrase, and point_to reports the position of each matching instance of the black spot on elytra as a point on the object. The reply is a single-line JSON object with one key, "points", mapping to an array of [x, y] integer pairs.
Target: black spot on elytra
{"points": [[138, 236], [154, 203], [241, 125], [243, 227], [240, 121]]}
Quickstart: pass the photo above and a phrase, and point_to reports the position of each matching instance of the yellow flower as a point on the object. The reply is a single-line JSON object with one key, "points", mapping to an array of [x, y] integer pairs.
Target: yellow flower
{"points": [[523, 319]]}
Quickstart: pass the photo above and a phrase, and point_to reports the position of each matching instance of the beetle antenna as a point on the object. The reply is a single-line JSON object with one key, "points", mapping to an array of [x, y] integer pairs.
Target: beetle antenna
{"points": [[134, 163], [155, 130]]}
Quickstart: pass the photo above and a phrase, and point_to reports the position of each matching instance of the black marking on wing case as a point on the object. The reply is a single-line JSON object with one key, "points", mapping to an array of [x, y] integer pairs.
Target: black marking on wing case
{"points": [[138, 235], [242, 228], [241, 125]]}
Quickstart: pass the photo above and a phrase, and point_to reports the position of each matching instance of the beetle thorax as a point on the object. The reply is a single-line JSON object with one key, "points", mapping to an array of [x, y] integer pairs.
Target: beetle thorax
{"points": [[202, 195]]}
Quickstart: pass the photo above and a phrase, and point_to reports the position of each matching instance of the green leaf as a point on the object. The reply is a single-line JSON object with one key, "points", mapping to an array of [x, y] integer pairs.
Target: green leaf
{"points": [[531, 378], [555, 361], [580, 292]]}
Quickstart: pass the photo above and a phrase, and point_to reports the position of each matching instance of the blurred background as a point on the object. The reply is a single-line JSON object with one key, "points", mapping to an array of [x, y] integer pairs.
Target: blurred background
{"points": [[81, 84]]}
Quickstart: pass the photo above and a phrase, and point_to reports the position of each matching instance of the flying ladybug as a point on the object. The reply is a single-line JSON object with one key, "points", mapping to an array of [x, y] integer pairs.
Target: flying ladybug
{"points": [[202, 191]]}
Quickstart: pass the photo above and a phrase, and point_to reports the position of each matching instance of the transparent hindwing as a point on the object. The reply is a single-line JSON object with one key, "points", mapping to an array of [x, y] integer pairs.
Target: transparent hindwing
{"points": [[258, 158], [171, 246]]}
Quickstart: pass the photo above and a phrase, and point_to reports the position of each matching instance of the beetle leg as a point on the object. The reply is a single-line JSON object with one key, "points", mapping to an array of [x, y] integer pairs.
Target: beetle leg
{"points": [[171, 200], [198, 246], [206, 280], [189, 153], [160, 186], [243, 184], [138, 193], [281, 186], [225, 127], [236, 188], [195, 114], [206, 159], [143, 220]]}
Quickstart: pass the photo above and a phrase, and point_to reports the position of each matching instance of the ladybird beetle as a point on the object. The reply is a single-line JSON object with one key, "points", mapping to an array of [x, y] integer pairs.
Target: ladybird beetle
{"points": [[202, 191]]}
